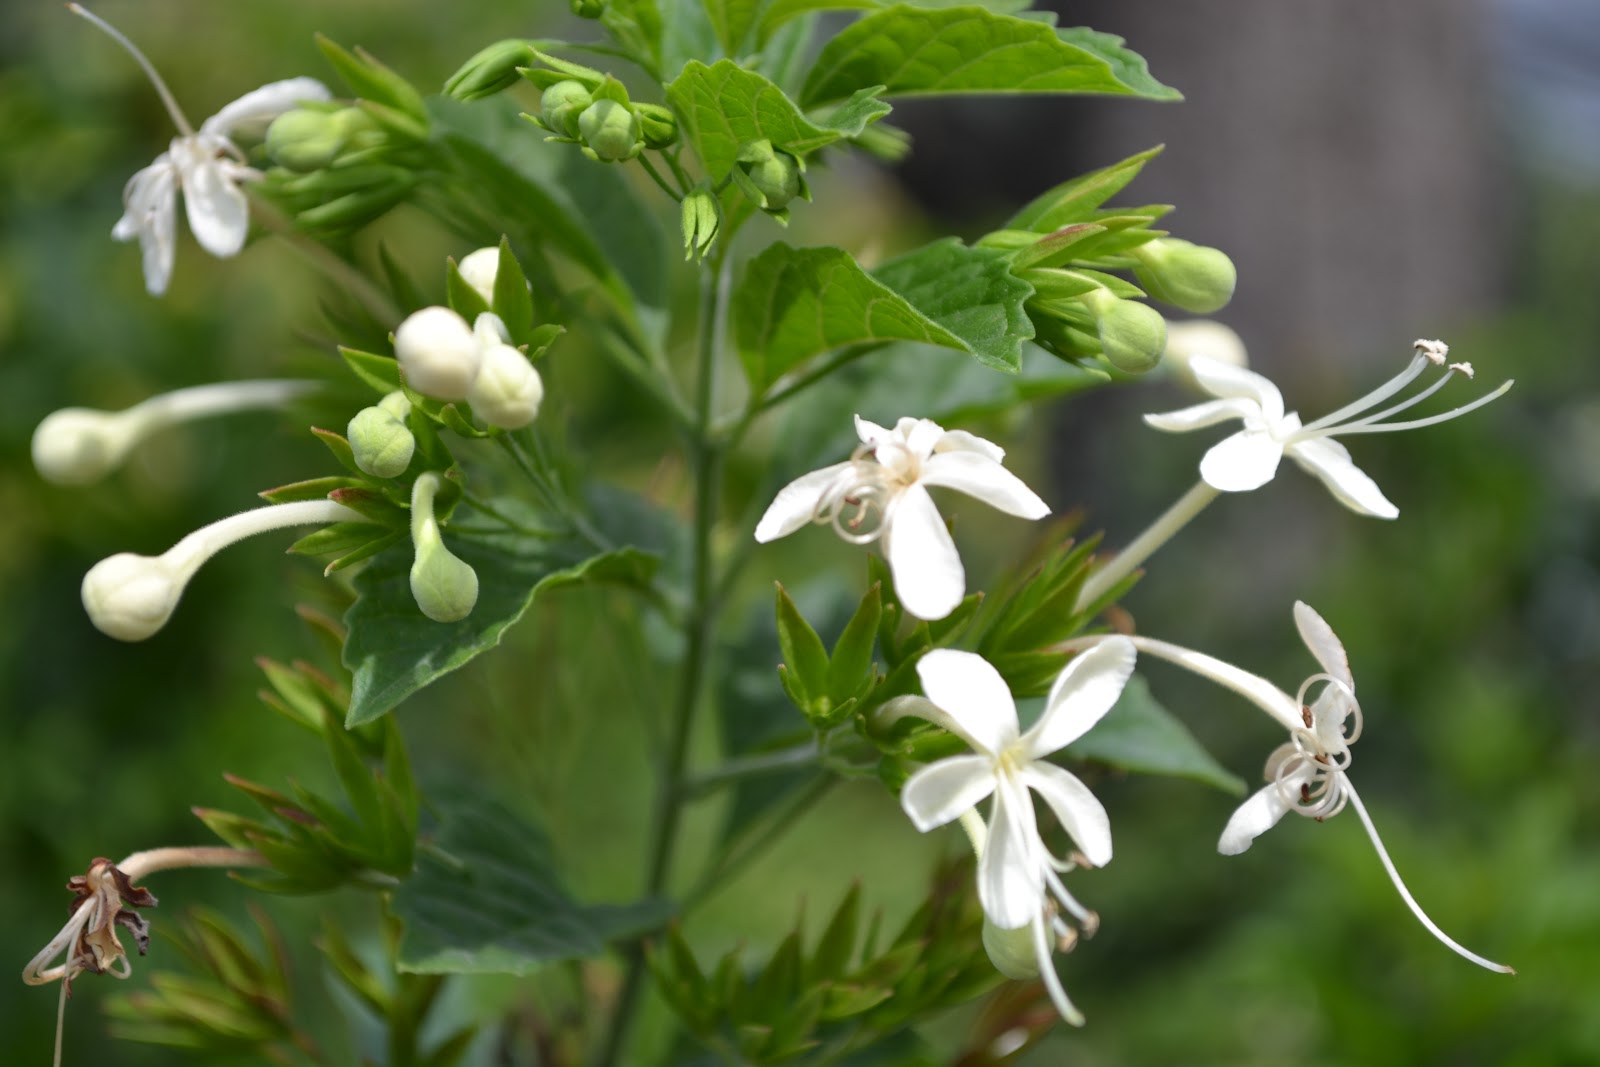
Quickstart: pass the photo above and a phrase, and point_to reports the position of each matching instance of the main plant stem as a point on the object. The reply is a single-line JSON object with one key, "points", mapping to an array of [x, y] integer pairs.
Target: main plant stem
{"points": [[706, 465]]}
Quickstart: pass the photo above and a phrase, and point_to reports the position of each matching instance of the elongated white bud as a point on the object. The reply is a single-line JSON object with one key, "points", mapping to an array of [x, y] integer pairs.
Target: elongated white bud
{"points": [[444, 586], [79, 446], [130, 597], [508, 390], [438, 353]]}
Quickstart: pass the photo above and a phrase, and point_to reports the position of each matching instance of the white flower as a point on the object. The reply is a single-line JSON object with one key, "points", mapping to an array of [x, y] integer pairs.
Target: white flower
{"points": [[882, 491], [206, 165], [1248, 459], [479, 270], [967, 696]]}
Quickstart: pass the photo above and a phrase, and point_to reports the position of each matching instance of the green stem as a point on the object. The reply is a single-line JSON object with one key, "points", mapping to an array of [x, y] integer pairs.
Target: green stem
{"points": [[644, 161], [735, 431], [753, 766], [706, 464], [682, 175]]}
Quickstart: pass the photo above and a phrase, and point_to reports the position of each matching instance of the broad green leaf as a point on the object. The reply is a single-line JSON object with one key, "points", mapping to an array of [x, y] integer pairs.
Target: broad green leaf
{"points": [[795, 303], [723, 107], [858, 112], [394, 650], [732, 20], [1076, 200], [971, 292], [918, 52], [487, 899], [779, 12], [1141, 736]]}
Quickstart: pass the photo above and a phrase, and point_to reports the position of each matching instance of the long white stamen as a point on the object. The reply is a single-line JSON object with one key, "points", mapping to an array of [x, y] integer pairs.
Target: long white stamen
{"points": [[178, 118], [1418, 364], [61, 1021], [1047, 971], [1395, 409], [1070, 903], [1415, 424], [1405, 894]]}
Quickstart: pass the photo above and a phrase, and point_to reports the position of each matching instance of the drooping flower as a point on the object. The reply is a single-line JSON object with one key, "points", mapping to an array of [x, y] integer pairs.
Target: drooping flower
{"points": [[968, 697], [205, 164], [1248, 459], [882, 492]]}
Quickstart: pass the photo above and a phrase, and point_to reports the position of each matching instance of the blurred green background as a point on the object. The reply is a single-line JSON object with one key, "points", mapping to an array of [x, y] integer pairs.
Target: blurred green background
{"points": [[1472, 623]]}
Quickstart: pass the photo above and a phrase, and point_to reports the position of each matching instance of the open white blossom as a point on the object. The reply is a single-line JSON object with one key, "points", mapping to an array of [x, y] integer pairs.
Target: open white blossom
{"points": [[968, 697], [882, 492], [205, 164], [1248, 459]]}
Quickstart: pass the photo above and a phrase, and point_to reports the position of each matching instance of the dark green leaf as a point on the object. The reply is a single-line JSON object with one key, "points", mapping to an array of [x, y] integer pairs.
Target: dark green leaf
{"points": [[464, 299], [1141, 736], [724, 107], [912, 52], [486, 899], [851, 663], [803, 655], [513, 300], [971, 292]]}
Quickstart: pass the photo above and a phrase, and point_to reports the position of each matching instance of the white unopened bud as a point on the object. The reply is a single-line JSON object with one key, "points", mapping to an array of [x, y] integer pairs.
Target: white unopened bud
{"points": [[1011, 951], [1205, 338], [444, 586], [479, 270], [130, 597], [508, 389], [79, 446], [438, 353]]}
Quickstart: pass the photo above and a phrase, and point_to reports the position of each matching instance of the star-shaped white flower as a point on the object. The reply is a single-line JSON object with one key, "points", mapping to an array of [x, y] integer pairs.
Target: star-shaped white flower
{"points": [[1248, 459], [205, 164], [882, 492], [967, 696]]}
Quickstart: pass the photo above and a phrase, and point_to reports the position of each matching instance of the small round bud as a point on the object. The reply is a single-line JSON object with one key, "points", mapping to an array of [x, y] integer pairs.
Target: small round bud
{"points": [[1186, 275], [129, 596], [307, 139], [588, 9], [508, 390], [1012, 952], [561, 104], [444, 587], [479, 270], [658, 125], [77, 446], [777, 178], [610, 130], [1201, 337], [1132, 335], [438, 353], [382, 444]]}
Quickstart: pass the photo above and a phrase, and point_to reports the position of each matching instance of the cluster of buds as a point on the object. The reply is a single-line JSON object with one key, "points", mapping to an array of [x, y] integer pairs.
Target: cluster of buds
{"points": [[444, 358], [598, 115], [770, 177]]}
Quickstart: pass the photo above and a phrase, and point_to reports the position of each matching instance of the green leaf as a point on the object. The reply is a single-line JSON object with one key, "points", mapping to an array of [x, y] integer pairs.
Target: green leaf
{"points": [[732, 20], [851, 663], [1141, 736], [371, 80], [394, 650], [858, 112], [971, 292], [486, 899], [724, 107], [780, 11], [795, 303], [464, 300], [1076, 200], [513, 300], [973, 50], [380, 372], [804, 657]]}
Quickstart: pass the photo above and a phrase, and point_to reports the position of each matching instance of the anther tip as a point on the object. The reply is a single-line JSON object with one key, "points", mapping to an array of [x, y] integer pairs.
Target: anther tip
{"points": [[1436, 351], [1464, 369]]}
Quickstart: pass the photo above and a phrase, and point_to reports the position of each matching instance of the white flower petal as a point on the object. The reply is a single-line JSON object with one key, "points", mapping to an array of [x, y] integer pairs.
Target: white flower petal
{"points": [[968, 689], [1330, 462], [1200, 416], [962, 441], [1081, 815], [928, 577], [920, 436], [1010, 885], [975, 474], [1226, 380], [1245, 461], [218, 212], [870, 432], [1250, 820], [1081, 696], [942, 791], [267, 102], [150, 210], [796, 503], [1323, 642]]}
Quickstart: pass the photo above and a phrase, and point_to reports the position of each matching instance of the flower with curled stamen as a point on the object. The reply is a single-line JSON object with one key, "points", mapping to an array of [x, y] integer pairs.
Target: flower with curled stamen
{"points": [[882, 492], [1249, 459]]}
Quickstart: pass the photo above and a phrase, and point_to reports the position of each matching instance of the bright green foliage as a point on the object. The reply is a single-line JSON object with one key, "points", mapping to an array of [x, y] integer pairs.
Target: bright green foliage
{"points": [[826, 688], [970, 292], [724, 107]]}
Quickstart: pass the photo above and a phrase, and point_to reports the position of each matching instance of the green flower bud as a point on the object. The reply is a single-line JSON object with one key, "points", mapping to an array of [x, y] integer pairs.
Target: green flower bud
{"points": [[507, 391], [490, 71], [382, 444], [1186, 275], [444, 586], [658, 126], [588, 9], [702, 218], [771, 177], [1012, 952], [561, 104], [305, 139], [1132, 335], [610, 131]]}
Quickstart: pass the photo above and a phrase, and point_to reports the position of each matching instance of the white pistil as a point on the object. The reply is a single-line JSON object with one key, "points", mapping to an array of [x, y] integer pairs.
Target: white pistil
{"points": [[178, 118]]}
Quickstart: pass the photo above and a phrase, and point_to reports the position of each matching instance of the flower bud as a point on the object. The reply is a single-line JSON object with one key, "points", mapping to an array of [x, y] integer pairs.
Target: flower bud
{"points": [[771, 177], [479, 270], [561, 104], [508, 390], [658, 125], [490, 71], [382, 444], [1186, 275], [588, 9], [1132, 335], [437, 352], [1013, 952], [610, 131], [1201, 337], [79, 446], [444, 586], [702, 219], [310, 139], [129, 596]]}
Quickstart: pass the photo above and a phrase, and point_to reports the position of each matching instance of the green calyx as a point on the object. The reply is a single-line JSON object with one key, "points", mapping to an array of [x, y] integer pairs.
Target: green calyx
{"points": [[771, 177], [702, 219], [1193, 277], [310, 139], [610, 132], [561, 104], [657, 125]]}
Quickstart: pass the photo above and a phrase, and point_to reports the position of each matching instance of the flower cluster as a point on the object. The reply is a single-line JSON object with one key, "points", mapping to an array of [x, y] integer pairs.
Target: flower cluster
{"points": [[444, 358]]}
